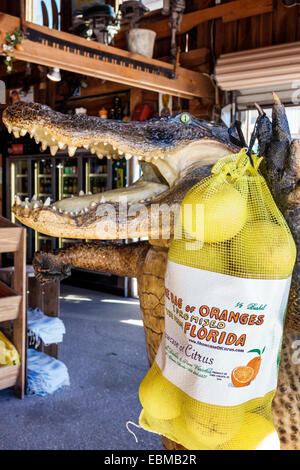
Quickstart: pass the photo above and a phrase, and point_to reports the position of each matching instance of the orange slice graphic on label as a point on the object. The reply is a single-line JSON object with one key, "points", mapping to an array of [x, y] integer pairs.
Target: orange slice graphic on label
{"points": [[242, 376]]}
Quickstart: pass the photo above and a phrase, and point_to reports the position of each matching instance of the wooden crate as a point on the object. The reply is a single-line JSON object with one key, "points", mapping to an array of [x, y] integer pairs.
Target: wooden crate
{"points": [[13, 302], [9, 303]]}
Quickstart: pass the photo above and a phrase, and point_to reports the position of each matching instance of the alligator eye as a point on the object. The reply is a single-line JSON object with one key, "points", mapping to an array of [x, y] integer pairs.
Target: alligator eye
{"points": [[185, 118]]}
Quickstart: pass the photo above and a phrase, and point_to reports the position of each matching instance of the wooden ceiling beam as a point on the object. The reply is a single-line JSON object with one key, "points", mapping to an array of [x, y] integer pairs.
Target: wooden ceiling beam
{"points": [[53, 48]]}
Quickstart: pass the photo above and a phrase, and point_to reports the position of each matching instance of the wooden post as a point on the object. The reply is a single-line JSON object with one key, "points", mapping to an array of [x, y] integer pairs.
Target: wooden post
{"points": [[19, 330], [46, 298], [51, 308]]}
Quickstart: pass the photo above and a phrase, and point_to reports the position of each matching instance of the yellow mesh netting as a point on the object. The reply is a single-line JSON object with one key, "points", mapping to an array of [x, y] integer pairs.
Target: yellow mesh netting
{"points": [[238, 231]]}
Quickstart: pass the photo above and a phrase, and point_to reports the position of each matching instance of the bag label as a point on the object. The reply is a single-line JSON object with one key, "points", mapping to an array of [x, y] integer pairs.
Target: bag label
{"points": [[222, 334]]}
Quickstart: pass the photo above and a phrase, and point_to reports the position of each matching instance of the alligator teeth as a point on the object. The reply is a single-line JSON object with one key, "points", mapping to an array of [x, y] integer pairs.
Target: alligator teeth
{"points": [[71, 151], [61, 145], [44, 144], [128, 156], [23, 132], [120, 152], [86, 209], [53, 150], [93, 204], [105, 143], [47, 202], [60, 211], [86, 147], [46, 132], [114, 148], [35, 205], [53, 139], [37, 140], [81, 193], [9, 129], [93, 150], [99, 155], [34, 198], [102, 199], [89, 193], [16, 133], [54, 208]]}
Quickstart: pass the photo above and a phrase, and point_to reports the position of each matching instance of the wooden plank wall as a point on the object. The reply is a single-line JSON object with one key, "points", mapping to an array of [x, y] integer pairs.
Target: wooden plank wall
{"points": [[280, 26]]}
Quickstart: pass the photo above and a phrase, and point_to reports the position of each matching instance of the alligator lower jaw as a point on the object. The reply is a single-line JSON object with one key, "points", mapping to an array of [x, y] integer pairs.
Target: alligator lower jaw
{"points": [[94, 216]]}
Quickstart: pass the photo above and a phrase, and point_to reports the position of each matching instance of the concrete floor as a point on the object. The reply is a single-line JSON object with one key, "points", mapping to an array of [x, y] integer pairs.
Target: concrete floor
{"points": [[104, 350]]}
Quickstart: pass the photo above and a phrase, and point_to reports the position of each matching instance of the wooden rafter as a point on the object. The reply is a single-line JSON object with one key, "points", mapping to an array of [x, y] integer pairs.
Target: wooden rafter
{"points": [[231, 11], [59, 49]]}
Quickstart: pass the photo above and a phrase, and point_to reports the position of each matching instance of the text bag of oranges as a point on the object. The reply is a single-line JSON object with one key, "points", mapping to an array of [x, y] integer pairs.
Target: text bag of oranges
{"points": [[226, 290]]}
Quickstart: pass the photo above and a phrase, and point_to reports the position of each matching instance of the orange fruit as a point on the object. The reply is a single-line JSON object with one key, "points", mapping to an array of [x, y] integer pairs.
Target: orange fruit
{"points": [[242, 376], [255, 365]]}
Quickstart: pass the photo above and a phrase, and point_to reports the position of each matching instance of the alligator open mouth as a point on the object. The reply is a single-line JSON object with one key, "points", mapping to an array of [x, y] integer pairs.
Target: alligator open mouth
{"points": [[171, 152]]}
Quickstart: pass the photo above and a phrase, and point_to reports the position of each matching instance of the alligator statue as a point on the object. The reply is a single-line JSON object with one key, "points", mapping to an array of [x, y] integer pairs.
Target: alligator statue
{"points": [[174, 154]]}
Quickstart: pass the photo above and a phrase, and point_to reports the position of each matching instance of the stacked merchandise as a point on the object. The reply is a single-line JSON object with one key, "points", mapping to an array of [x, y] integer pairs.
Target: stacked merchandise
{"points": [[49, 330], [45, 374]]}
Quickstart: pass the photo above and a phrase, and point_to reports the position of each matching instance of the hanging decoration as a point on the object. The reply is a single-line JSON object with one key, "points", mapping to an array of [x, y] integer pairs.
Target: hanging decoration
{"points": [[13, 41]]}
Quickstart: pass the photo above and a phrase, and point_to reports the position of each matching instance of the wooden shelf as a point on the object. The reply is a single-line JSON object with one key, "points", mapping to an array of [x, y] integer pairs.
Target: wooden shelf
{"points": [[9, 376], [9, 303], [53, 48], [10, 236], [13, 302]]}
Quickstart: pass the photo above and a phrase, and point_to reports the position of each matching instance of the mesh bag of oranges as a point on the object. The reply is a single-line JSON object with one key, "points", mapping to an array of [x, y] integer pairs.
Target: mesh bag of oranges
{"points": [[226, 290]]}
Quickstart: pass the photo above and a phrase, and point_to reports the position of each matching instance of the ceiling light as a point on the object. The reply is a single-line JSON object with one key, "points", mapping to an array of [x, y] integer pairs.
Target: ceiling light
{"points": [[54, 74]]}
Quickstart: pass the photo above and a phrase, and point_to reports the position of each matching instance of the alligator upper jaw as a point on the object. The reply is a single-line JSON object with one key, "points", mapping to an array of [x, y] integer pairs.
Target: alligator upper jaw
{"points": [[167, 143], [168, 147]]}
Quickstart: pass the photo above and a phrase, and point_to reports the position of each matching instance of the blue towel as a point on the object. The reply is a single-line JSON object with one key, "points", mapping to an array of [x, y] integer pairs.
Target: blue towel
{"points": [[45, 374], [50, 330]]}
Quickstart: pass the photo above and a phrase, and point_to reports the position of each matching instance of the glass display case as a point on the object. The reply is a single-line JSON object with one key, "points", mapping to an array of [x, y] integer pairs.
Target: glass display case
{"points": [[60, 177], [119, 173], [19, 181], [43, 188], [96, 175], [69, 178], [68, 174]]}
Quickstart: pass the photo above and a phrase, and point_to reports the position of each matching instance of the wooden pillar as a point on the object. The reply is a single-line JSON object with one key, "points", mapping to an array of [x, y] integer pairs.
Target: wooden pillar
{"points": [[19, 330], [46, 298]]}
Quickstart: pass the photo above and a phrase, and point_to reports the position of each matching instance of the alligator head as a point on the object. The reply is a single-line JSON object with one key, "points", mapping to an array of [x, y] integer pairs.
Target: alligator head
{"points": [[174, 152]]}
